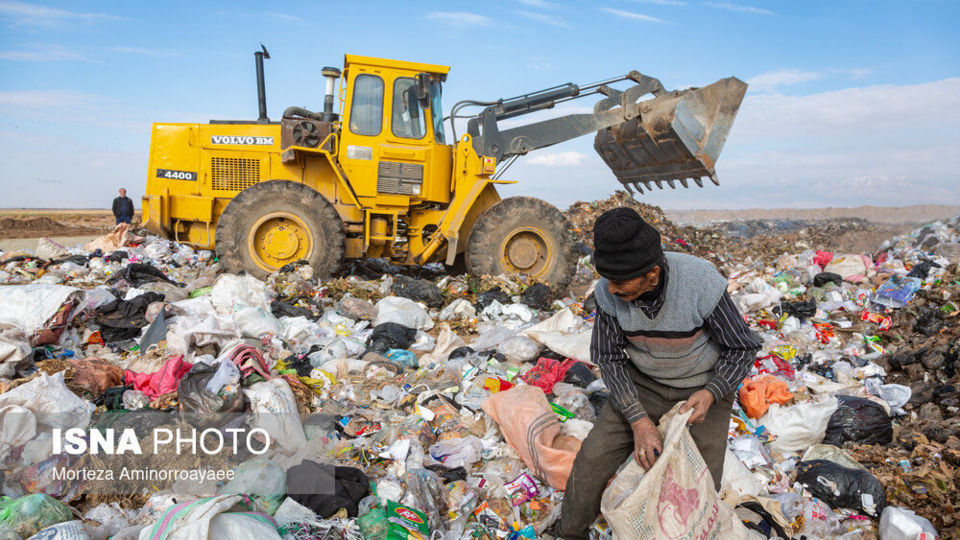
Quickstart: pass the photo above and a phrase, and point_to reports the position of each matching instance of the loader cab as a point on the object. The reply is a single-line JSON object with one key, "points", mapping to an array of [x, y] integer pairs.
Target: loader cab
{"points": [[392, 144]]}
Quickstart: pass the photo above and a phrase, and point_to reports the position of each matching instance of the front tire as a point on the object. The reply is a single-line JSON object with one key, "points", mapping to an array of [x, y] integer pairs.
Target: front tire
{"points": [[278, 222], [523, 235]]}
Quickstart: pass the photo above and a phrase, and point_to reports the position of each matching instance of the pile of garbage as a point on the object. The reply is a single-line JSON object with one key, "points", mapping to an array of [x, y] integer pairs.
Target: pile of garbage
{"points": [[388, 402]]}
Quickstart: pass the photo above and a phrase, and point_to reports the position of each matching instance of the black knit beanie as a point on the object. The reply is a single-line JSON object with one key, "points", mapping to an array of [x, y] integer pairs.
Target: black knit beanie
{"points": [[625, 246]]}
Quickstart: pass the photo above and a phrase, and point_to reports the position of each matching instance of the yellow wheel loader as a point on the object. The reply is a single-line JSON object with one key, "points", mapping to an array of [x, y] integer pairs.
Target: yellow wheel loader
{"points": [[383, 177]]}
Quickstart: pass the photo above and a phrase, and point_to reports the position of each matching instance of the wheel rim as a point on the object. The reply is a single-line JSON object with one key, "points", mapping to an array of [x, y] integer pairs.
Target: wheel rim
{"points": [[278, 239], [526, 251]]}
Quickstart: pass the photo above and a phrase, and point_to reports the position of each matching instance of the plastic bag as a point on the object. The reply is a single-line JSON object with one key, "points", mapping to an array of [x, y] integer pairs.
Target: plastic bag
{"points": [[111, 520], [675, 498], [275, 410], [896, 395], [458, 309], [224, 516], [202, 408], [403, 311], [899, 523], [254, 322], [841, 487], [549, 454], [227, 374], [68, 530], [264, 481], [231, 293], [402, 357], [53, 404], [418, 290], [897, 291], [519, 348], [390, 335], [757, 394], [32, 513], [455, 453], [859, 420], [798, 426]]}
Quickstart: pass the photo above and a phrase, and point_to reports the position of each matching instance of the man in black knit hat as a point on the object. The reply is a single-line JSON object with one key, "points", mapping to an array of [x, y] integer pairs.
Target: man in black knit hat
{"points": [[666, 331]]}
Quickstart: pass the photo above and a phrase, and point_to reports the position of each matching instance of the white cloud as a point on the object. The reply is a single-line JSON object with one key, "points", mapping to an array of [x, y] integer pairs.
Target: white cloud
{"points": [[662, 2], [738, 7], [460, 18], [552, 20], [538, 4], [45, 53], [283, 17], [631, 15], [556, 159], [21, 13], [782, 77]]}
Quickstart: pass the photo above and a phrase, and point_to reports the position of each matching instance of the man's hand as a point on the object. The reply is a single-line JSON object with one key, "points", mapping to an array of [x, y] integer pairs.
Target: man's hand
{"points": [[700, 401], [647, 442]]}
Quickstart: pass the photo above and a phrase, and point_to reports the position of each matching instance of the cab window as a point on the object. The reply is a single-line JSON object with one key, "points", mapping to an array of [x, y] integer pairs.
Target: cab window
{"points": [[408, 119], [366, 113]]}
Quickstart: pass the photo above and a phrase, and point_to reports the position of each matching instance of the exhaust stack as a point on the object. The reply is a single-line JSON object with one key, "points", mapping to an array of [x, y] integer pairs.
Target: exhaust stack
{"points": [[331, 74], [261, 85]]}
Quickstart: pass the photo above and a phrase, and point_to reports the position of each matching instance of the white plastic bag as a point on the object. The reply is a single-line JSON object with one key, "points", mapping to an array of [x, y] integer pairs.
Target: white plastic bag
{"points": [[68, 530], [458, 309], [253, 322], [447, 342], [897, 523], [737, 478], [403, 311], [227, 373], [49, 399], [275, 411], [519, 348], [211, 519], [675, 498], [230, 293], [29, 307], [111, 519], [564, 334], [799, 426]]}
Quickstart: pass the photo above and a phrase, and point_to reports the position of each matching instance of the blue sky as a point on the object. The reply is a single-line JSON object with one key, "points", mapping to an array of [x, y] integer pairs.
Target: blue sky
{"points": [[850, 102]]}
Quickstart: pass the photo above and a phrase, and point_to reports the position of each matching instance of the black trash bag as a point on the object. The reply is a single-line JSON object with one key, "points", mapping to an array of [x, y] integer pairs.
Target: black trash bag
{"points": [[484, 299], [922, 270], [590, 304], [117, 256], [842, 487], [283, 309], [755, 517], [143, 422], [138, 273], [112, 398], [80, 260], [122, 319], [325, 489], [202, 409], [800, 310], [580, 375], [858, 420], [461, 352], [390, 335], [418, 290], [448, 475], [536, 296], [928, 321], [290, 267], [598, 400], [823, 278]]}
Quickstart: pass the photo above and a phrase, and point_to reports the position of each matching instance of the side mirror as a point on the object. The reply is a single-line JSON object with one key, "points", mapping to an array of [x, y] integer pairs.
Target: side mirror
{"points": [[423, 86]]}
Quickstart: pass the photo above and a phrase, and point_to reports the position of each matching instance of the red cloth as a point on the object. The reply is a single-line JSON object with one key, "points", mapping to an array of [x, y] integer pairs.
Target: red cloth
{"points": [[547, 373], [823, 258], [160, 382]]}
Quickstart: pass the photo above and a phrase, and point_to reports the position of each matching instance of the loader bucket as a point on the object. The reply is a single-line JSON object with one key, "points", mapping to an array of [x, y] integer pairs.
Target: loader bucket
{"points": [[676, 136]]}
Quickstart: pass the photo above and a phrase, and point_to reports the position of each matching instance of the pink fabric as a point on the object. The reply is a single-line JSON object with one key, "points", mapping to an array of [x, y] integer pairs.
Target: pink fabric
{"points": [[161, 382]]}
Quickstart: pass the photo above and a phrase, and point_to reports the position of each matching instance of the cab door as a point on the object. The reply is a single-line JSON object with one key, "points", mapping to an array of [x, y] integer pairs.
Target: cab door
{"points": [[404, 152]]}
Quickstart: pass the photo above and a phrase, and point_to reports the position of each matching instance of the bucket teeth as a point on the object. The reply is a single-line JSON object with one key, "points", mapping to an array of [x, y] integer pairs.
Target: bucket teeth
{"points": [[637, 186], [659, 183], [671, 184], [683, 182], [699, 181]]}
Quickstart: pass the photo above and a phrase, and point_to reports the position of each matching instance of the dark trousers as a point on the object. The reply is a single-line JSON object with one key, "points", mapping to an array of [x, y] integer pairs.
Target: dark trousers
{"points": [[124, 219], [610, 443]]}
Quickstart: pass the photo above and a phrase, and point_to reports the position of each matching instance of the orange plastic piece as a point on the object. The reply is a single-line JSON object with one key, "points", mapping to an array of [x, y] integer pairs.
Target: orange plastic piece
{"points": [[756, 395]]}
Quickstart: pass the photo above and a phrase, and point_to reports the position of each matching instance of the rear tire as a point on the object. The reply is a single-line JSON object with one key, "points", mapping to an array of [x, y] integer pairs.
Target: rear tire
{"points": [[278, 222], [523, 235]]}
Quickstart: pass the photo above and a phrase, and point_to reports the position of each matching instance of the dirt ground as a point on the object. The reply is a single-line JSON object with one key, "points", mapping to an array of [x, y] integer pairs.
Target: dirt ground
{"points": [[38, 222]]}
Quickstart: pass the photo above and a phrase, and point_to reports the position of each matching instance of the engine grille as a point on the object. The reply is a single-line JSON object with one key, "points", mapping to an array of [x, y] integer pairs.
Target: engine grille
{"points": [[233, 174], [399, 178]]}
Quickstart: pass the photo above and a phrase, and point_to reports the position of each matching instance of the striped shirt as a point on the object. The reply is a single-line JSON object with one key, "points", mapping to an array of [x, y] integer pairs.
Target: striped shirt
{"points": [[739, 346]]}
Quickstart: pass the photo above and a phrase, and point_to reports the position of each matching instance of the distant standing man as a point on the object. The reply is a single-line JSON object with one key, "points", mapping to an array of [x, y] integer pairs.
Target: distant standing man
{"points": [[123, 208], [666, 331]]}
